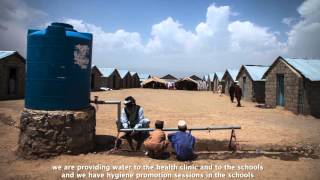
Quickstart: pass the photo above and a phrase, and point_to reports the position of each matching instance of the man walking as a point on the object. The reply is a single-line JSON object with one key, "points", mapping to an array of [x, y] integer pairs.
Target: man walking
{"points": [[231, 92], [238, 94]]}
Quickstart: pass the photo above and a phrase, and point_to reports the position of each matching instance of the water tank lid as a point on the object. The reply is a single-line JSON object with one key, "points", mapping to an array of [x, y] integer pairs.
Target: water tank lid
{"points": [[65, 25]]}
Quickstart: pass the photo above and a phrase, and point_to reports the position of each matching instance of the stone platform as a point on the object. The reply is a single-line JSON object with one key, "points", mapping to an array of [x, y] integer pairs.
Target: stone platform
{"points": [[49, 133]]}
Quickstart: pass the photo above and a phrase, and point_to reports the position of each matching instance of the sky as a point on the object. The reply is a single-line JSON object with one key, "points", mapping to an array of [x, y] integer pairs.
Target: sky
{"points": [[180, 37]]}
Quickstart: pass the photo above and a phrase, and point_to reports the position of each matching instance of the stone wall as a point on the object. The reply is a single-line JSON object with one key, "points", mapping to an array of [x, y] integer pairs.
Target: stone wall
{"points": [[95, 80], [13, 61], [312, 98], [49, 133], [228, 82], [292, 82]]}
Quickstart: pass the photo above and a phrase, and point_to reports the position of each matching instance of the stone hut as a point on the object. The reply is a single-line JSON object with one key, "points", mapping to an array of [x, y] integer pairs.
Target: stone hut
{"points": [[135, 80], [294, 84], [125, 79], [210, 81], [95, 78], [229, 77], [206, 80], [12, 75], [110, 78], [251, 82], [217, 78]]}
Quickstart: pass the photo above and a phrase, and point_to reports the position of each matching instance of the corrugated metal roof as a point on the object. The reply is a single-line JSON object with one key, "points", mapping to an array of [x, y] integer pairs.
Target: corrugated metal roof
{"points": [[233, 73], [106, 72], [219, 75], [309, 68], [4, 54], [256, 72], [205, 77], [211, 76], [123, 73]]}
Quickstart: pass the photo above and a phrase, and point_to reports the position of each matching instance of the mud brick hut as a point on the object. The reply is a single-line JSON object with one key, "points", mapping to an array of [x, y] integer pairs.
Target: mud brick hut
{"points": [[110, 78], [217, 78], [125, 79], [187, 84], [251, 82], [95, 78], [135, 80], [294, 84], [154, 83], [12, 75], [229, 77]]}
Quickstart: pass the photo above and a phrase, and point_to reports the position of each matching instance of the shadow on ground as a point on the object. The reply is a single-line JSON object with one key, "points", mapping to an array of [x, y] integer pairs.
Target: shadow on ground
{"points": [[205, 149]]}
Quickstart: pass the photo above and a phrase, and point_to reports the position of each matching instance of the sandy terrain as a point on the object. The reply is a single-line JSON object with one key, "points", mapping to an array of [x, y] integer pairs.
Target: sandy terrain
{"points": [[264, 129]]}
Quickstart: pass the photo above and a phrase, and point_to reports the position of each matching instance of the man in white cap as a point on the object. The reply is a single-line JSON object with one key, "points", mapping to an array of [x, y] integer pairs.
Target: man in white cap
{"points": [[132, 117], [183, 143]]}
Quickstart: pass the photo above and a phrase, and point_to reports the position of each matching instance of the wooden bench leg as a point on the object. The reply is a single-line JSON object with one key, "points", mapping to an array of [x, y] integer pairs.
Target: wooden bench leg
{"points": [[233, 145]]}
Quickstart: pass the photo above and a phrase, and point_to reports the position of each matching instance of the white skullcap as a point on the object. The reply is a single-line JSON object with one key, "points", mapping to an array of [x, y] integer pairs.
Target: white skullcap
{"points": [[126, 102], [182, 124]]}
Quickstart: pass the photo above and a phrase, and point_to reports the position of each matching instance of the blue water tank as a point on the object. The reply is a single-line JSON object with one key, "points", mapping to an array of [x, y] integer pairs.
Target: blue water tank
{"points": [[58, 68]]}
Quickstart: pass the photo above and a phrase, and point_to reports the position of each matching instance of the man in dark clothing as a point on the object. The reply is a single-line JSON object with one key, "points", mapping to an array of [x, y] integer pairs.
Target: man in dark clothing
{"points": [[238, 94], [231, 92], [132, 117], [183, 143]]}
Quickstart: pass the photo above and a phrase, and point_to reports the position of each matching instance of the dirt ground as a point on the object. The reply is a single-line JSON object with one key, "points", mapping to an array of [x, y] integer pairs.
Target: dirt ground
{"points": [[262, 130]]}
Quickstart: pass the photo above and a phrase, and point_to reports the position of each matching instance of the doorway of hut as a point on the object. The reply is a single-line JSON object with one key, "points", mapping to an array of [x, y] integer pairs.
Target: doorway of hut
{"points": [[12, 81], [244, 91], [280, 90]]}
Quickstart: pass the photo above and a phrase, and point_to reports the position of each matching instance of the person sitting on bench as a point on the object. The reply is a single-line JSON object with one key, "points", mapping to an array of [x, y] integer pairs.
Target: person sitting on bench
{"points": [[132, 116], [183, 143], [156, 143]]}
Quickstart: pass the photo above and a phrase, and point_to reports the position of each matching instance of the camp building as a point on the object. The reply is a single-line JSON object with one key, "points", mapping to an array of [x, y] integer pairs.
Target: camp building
{"points": [[294, 84], [135, 80], [251, 82], [110, 78], [12, 75], [217, 79], [154, 83], [187, 83], [229, 78], [125, 79], [95, 78], [143, 77]]}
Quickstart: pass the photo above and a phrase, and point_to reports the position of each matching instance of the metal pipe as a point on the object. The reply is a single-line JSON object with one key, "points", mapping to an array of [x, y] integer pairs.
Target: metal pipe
{"points": [[118, 103], [189, 129]]}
